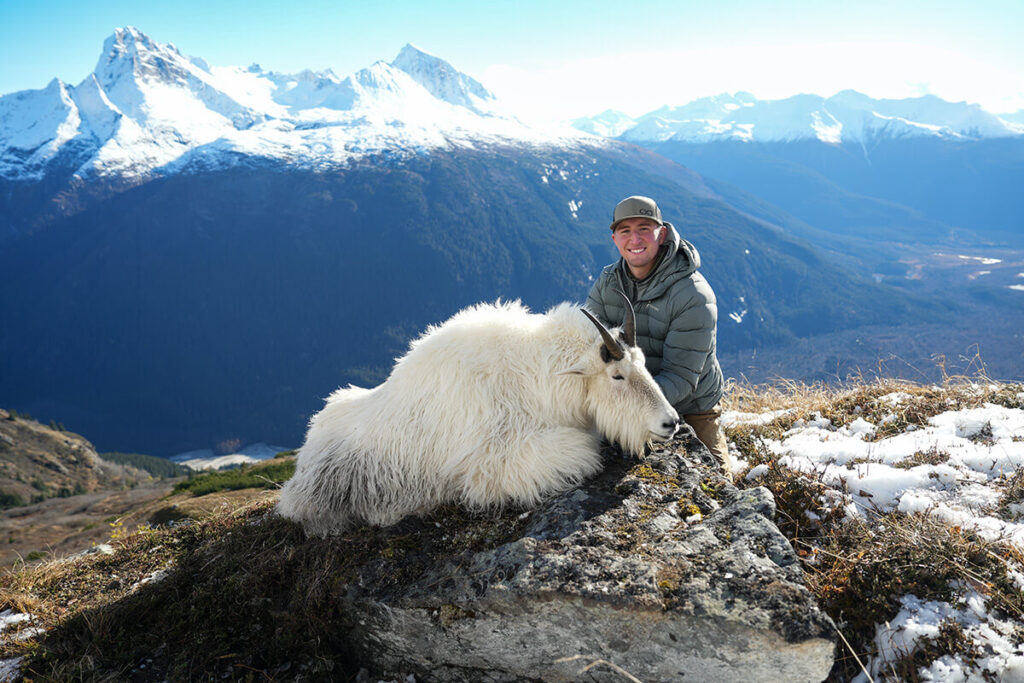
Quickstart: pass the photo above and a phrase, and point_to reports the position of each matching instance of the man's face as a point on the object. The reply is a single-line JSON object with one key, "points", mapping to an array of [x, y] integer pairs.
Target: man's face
{"points": [[638, 241]]}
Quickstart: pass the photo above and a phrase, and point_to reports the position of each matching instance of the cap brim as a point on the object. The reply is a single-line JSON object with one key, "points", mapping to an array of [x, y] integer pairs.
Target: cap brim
{"points": [[626, 218]]}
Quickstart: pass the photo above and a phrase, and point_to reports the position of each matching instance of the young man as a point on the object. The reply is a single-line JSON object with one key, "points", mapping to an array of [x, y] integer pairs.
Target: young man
{"points": [[676, 315]]}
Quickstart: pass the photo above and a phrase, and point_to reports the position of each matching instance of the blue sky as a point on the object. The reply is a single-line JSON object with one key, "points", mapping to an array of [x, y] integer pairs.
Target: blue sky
{"points": [[566, 58]]}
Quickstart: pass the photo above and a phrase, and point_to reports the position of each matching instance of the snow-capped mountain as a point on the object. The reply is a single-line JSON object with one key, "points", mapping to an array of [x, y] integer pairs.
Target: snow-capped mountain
{"points": [[848, 116], [149, 107], [609, 123]]}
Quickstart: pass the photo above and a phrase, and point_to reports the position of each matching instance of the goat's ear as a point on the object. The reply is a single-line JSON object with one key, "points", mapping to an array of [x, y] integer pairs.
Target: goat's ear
{"points": [[575, 370]]}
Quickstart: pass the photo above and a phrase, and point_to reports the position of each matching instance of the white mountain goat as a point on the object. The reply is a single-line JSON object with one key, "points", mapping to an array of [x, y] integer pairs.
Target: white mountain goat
{"points": [[495, 406]]}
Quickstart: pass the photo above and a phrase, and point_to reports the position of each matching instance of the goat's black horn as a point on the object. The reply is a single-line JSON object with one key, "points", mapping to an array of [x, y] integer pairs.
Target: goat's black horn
{"points": [[629, 323], [610, 343]]}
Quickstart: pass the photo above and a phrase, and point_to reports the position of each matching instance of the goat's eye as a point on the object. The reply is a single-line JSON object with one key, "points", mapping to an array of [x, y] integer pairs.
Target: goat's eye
{"points": [[618, 377]]}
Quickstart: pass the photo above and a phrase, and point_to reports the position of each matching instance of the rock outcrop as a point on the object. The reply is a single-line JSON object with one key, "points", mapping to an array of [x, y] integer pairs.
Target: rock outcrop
{"points": [[660, 570]]}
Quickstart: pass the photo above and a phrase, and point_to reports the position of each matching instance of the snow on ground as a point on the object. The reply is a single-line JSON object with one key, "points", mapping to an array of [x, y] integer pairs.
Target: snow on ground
{"points": [[10, 669], [920, 619], [218, 462], [976, 447], [206, 459], [952, 468]]}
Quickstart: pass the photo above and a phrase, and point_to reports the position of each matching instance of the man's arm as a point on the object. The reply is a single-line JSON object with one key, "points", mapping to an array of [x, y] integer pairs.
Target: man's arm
{"points": [[594, 302], [687, 347]]}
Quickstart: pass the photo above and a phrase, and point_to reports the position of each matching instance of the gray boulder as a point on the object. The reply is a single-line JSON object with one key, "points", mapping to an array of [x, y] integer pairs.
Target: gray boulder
{"points": [[657, 570]]}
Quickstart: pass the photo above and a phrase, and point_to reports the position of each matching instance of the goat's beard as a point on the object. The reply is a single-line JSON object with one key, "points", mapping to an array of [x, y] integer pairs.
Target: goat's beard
{"points": [[634, 440]]}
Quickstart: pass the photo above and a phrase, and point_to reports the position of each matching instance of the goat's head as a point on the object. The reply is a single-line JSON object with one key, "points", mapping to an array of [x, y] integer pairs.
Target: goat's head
{"points": [[626, 403]]}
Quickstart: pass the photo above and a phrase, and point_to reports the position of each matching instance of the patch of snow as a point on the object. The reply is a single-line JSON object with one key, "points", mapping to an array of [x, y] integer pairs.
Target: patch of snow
{"points": [[218, 462], [985, 261], [895, 398], [827, 130], [757, 472], [155, 577], [9, 618], [253, 452], [10, 669], [918, 620]]}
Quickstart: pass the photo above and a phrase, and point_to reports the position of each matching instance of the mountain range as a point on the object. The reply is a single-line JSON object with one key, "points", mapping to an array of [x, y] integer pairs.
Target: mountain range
{"points": [[147, 108], [850, 164], [195, 254], [848, 116]]}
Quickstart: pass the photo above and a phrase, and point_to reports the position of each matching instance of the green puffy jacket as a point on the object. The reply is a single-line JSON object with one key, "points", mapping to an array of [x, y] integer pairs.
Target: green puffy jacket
{"points": [[676, 323]]}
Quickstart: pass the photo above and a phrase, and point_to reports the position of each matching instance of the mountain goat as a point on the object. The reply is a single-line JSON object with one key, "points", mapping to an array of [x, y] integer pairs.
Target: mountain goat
{"points": [[495, 406]]}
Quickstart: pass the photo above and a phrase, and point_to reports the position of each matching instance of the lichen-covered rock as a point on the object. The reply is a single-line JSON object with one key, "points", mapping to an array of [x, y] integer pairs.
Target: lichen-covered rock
{"points": [[659, 569]]}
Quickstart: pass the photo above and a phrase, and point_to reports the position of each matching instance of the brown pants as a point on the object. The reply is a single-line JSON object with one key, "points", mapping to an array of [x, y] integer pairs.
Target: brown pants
{"points": [[707, 429]]}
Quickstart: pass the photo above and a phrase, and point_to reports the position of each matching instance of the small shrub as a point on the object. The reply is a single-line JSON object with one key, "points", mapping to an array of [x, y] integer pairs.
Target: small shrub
{"points": [[10, 500]]}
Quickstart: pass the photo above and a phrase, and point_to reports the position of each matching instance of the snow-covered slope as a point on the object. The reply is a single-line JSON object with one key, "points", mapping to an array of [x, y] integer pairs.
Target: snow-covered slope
{"points": [[846, 116], [148, 107]]}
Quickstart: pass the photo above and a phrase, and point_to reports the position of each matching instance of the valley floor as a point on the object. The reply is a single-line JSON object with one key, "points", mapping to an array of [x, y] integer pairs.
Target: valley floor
{"points": [[990, 343]]}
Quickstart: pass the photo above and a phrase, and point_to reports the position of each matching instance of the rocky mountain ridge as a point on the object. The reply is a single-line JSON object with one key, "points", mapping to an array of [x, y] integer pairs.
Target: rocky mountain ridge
{"points": [[148, 109]]}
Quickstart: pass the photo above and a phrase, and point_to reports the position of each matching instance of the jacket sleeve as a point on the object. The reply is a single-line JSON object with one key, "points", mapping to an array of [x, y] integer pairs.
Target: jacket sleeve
{"points": [[595, 302], [688, 345]]}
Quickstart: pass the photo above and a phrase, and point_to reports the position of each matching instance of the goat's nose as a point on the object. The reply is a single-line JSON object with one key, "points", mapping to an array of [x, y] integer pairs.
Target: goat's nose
{"points": [[672, 424]]}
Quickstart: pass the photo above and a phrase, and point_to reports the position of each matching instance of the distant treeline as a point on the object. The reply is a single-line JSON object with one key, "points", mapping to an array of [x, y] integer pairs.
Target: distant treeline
{"points": [[157, 467]]}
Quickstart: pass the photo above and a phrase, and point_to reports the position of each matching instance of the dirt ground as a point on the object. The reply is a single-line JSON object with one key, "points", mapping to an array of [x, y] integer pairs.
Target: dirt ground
{"points": [[63, 526]]}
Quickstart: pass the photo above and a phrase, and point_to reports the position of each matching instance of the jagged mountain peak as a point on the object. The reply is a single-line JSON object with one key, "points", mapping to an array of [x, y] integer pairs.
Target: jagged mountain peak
{"points": [[129, 49], [444, 81], [147, 107]]}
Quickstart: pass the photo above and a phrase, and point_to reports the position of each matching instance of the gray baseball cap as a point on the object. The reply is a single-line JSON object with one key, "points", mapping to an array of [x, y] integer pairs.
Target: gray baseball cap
{"points": [[636, 207]]}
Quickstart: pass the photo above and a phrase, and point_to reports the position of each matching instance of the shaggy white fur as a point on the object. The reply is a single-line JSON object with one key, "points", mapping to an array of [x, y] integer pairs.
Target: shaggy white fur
{"points": [[495, 406]]}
